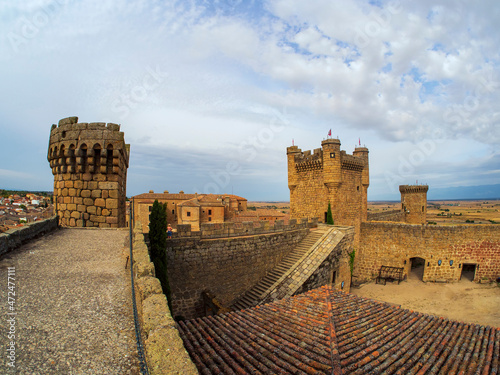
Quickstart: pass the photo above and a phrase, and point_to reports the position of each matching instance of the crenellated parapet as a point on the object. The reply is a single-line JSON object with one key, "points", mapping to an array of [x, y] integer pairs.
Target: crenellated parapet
{"points": [[238, 229], [307, 161], [89, 162], [406, 189]]}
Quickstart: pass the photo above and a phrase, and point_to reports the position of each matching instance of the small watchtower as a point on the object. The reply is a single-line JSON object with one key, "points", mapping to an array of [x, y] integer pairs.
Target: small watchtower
{"points": [[89, 162], [414, 203]]}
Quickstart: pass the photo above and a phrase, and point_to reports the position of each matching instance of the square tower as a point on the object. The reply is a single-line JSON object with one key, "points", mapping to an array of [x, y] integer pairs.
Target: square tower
{"points": [[414, 203]]}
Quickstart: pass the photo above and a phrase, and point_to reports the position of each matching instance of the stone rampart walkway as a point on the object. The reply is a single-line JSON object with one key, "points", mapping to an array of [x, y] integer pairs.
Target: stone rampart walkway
{"points": [[72, 303]]}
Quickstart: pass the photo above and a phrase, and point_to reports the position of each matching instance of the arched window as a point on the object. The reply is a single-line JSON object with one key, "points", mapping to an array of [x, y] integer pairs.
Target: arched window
{"points": [[62, 160], [97, 158], [109, 159], [83, 156], [72, 158]]}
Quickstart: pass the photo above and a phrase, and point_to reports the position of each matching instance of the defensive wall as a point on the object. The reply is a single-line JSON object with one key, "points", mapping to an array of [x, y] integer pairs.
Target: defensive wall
{"points": [[165, 352], [15, 237], [393, 215], [226, 266], [445, 250], [89, 162]]}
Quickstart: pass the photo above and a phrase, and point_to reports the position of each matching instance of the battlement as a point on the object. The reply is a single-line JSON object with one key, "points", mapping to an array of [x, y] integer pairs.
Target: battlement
{"points": [[413, 188], [307, 161], [235, 229], [89, 162], [351, 162]]}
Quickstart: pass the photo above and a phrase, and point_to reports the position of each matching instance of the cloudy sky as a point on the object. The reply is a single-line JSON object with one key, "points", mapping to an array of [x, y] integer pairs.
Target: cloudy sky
{"points": [[210, 93]]}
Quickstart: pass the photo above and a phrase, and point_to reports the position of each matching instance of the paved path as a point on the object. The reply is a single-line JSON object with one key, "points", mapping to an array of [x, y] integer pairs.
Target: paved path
{"points": [[73, 304]]}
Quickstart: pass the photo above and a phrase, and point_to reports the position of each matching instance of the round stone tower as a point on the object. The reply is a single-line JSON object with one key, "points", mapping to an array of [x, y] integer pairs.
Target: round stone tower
{"points": [[89, 162], [414, 203]]}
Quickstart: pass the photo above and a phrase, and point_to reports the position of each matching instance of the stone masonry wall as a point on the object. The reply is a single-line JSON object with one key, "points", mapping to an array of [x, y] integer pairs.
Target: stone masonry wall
{"points": [[395, 244], [227, 267], [15, 237], [393, 215], [165, 352], [89, 162]]}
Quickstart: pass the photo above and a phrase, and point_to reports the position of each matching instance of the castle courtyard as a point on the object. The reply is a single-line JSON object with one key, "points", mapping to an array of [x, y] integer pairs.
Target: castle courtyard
{"points": [[463, 301]]}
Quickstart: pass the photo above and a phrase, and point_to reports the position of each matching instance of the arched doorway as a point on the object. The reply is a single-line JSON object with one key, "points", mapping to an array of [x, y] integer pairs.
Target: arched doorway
{"points": [[417, 266]]}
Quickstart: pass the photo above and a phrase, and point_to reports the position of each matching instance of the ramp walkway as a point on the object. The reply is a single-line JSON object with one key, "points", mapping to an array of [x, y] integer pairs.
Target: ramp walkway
{"points": [[73, 305], [295, 268]]}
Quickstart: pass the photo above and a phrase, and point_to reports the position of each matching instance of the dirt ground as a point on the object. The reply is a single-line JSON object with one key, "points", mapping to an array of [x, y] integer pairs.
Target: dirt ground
{"points": [[463, 301]]}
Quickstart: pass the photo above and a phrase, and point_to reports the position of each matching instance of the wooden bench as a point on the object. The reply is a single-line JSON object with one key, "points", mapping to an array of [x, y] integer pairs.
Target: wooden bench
{"points": [[390, 273]]}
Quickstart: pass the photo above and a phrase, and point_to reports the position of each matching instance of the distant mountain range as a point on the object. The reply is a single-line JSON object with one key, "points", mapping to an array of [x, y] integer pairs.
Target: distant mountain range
{"points": [[464, 192]]}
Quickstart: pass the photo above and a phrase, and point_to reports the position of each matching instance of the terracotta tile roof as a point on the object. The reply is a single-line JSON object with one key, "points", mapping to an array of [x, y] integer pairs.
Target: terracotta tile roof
{"points": [[328, 332], [164, 196], [268, 212]]}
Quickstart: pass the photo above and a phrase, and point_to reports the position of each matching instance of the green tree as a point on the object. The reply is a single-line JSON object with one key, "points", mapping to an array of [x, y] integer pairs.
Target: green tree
{"points": [[329, 216], [158, 245]]}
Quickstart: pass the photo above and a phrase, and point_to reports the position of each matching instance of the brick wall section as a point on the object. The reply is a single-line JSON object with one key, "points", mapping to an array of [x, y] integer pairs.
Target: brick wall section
{"points": [[89, 162], [15, 237], [165, 352], [227, 267], [315, 268], [393, 215], [393, 244]]}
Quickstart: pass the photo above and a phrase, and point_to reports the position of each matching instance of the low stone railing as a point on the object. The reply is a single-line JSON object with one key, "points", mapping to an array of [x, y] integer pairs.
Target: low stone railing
{"points": [[15, 237], [232, 229], [165, 352]]}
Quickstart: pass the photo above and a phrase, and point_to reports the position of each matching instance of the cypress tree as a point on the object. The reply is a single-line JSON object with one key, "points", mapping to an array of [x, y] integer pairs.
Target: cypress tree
{"points": [[329, 216], [158, 245]]}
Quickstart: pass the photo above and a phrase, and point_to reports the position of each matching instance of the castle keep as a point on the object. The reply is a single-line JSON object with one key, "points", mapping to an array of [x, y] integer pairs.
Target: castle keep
{"points": [[329, 175], [89, 162]]}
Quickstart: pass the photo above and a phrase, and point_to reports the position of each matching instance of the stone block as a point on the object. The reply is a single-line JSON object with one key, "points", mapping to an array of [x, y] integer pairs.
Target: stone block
{"points": [[62, 206], [68, 184], [113, 194], [105, 212], [88, 202], [99, 202], [68, 120], [66, 200], [78, 184], [112, 220], [86, 177], [96, 193], [86, 193], [91, 210], [105, 194], [71, 207], [86, 216], [76, 214], [93, 185], [72, 222], [98, 211], [64, 192], [111, 203], [78, 200], [79, 223], [104, 225], [72, 192], [81, 208], [108, 185]]}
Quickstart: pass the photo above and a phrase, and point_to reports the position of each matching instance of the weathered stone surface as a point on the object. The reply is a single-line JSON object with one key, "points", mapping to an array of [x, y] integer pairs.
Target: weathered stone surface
{"points": [[68, 121], [111, 203], [86, 193], [91, 209], [99, 202], [96, 193], [108, 185]]}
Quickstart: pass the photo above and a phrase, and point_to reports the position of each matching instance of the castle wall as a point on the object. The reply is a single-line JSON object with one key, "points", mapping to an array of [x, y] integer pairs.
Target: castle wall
{"points": [[393, 215], [392, 244], [227, 267], [310, 197], [89, 162]]}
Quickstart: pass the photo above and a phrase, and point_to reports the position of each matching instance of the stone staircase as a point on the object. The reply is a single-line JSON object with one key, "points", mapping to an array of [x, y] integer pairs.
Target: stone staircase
{"points": [[260, 291]]}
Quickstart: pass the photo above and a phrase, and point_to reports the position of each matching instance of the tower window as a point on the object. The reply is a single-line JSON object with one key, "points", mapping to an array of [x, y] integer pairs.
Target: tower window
{"points": [[332, 155], [358, 188], [209, 219], [422, 208], [172, 212], [210, 212], [188, 213]]}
